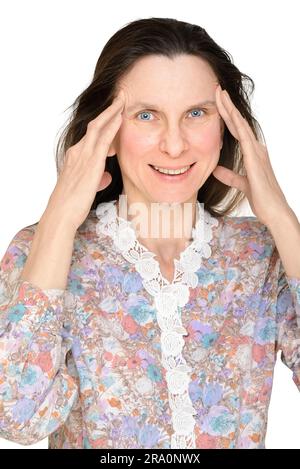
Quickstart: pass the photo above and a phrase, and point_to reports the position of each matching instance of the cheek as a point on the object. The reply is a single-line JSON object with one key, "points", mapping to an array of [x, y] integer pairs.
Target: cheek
{"points": [[207, 137], [134, 142]]}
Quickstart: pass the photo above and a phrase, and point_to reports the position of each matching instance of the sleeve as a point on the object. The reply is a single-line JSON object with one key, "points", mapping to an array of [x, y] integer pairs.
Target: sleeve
{"points": [[36, 391], [288, 322]]}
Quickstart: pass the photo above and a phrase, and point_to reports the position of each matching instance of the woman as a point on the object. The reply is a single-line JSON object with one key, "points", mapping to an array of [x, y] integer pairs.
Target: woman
{"points": [[116, 337]]}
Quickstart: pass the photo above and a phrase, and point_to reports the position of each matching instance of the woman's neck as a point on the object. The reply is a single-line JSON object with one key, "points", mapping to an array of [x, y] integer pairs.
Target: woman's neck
{"points": [[165, 229]]}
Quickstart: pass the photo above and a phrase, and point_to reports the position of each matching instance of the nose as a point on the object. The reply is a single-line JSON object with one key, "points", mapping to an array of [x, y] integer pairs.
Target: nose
{"points": [[173, 141]]}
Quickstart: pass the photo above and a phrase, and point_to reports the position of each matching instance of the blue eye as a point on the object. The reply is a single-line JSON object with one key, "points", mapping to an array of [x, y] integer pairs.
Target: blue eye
{"points": [[197, 110], [147, 112], [143, 113]]}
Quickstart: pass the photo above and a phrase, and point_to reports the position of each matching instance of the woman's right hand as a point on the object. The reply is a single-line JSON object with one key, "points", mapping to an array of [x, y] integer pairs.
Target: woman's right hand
{"points": [[83, 172]]}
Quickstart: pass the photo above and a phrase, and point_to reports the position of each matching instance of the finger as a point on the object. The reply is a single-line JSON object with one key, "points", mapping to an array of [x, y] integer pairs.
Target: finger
{"points": [[236, 124], [88, 137], [107, 134], [104, 126], [105, 116], [224, 113], [233, 114], [230, 178]]}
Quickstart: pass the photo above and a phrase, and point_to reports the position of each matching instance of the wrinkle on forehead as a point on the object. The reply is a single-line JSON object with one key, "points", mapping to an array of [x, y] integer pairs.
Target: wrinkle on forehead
{"points": [[156, 107], [188, 79]]}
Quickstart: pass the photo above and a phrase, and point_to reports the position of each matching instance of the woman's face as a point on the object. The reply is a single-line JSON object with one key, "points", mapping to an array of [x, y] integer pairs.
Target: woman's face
{"points": [[171, 131]]}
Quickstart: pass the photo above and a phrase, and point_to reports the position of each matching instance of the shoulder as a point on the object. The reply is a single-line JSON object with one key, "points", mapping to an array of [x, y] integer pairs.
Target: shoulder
{"points": [[85, 235], [246, 237], [88, 234], [92, 248], [246, 227], [85, 238], [22, 239]]}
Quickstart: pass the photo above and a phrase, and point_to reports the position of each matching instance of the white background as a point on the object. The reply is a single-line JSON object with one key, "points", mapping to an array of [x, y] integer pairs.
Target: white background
{"points": [[48, 53]]}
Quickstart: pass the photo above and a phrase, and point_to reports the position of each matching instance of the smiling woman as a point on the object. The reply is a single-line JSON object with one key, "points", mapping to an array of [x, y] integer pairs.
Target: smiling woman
{"points": [[160, 131], [163, 343], [171, 79]]}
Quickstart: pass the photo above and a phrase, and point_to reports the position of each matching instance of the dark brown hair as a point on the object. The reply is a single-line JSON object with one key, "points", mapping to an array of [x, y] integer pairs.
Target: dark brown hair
{"points": [[167, 37]]}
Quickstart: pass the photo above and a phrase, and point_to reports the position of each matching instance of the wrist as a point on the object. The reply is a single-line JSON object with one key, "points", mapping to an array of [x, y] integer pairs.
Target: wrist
{"points": [[284, 219], [52, 222]]}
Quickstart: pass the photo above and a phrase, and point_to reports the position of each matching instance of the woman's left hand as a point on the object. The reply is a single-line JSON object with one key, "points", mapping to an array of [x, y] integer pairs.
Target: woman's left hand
{"points": [[260, 186]]}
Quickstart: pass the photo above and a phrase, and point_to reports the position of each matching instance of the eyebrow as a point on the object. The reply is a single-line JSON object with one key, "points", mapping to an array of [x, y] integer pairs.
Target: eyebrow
{"points": [[153, 107]]}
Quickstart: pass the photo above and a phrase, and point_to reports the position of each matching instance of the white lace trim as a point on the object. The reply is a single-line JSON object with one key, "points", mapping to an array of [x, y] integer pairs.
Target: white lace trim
{"points": [[168, 299]]}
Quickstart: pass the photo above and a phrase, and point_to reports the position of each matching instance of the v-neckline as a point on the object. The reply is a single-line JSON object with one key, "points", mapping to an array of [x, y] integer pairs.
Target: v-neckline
{"points": [[108, 212], [155, 256]]}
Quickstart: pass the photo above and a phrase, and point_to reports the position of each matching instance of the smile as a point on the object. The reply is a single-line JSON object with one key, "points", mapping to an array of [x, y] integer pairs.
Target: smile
{"points": [[172, 174]]}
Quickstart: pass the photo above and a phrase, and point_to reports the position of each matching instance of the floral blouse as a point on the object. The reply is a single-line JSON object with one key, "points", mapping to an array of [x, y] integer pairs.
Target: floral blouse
{"points": [[123, 358]]}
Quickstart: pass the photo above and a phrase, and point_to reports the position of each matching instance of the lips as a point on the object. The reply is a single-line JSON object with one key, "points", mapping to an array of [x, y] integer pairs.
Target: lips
{"points": [[180, 167], [172, 178]]}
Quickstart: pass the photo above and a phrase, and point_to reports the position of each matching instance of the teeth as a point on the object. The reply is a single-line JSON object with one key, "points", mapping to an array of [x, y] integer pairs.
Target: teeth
{"points": [[172, 171]]}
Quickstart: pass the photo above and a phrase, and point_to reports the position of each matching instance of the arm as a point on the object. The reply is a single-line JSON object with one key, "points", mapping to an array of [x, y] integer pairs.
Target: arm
{"points": [[288, 321], [36, 391], [49, 259], [286, 234], [285, 230]]}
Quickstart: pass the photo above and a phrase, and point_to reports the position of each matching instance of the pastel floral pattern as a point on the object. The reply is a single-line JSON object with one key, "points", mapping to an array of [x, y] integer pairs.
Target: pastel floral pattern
{"points": [[86, 365]]}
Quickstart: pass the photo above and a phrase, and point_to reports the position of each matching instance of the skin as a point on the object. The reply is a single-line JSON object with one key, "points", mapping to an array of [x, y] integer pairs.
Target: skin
{"points": [[173, 133]]}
